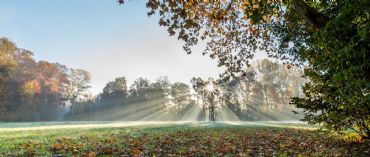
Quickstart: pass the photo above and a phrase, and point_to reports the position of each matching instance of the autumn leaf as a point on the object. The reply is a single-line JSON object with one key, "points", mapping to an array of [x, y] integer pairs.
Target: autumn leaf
{"points": [[57, 146], [136, 152], [90, 154]]}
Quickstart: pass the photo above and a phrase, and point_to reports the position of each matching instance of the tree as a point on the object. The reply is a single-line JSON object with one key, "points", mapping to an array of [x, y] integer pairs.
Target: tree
{"points": [[181, 98], [76, 90], [208, 92], [263, 93], [119, 85], [160, 89], [138, 90], [212, 90], [115, 92], [331, 37], [7, 51], [51, 79], [267, 72], [197, 85], [30, 90]]}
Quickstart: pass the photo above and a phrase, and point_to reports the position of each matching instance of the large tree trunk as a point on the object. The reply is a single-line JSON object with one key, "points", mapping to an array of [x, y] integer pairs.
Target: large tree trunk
{"points": [[309, 14], [212, 109]]}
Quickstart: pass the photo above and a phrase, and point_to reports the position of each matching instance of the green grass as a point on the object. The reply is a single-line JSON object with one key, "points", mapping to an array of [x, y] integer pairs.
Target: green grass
{"points": [[181, 139]]}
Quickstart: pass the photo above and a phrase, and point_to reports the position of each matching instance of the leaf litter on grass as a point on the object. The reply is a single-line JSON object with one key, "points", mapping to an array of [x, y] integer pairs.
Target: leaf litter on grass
{"points": [[196, 141]]}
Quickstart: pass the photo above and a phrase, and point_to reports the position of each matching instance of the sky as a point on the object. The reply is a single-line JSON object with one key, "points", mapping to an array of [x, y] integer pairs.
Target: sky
{"points": [[102, 37]]}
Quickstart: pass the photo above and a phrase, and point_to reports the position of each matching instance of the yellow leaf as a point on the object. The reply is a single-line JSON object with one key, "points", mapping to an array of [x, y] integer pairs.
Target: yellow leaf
{"points": [[136, 152], [90, 154]]}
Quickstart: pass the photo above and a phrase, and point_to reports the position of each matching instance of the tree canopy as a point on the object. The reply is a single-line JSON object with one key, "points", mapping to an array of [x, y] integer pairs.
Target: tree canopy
{"points": [[29, 90]]}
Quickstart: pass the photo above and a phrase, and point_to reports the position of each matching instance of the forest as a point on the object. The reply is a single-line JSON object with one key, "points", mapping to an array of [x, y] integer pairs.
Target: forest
{"points": [[43, 91]]}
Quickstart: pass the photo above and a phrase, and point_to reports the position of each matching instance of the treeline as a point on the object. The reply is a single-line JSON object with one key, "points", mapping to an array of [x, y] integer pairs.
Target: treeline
{"points": [[143, 100], [262, 94], [30, 90], [41, 91]]}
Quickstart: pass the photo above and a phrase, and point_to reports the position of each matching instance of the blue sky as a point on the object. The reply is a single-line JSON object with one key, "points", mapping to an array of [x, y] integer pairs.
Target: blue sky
{"points": [[102, 37]]}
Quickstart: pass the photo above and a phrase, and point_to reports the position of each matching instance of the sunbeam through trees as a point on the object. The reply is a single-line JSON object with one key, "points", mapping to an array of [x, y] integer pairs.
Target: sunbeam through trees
{"points": [[262, 94], [184, 78]]}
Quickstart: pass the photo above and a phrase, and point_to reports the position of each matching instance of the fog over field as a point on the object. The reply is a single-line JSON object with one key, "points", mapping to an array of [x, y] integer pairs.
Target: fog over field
{"points": [[184, 78], [27, 126]]}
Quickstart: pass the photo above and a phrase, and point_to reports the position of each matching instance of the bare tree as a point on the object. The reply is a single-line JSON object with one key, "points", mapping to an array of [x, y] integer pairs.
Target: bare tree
{"points": [[76, 90]]}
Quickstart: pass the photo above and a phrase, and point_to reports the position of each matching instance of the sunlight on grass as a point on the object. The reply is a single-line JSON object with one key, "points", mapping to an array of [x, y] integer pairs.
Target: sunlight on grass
{"points": [[176, 138], [115, 124]]}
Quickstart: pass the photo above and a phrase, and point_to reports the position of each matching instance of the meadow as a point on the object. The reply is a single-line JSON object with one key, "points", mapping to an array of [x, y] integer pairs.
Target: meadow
{"points": [[175, 139]]}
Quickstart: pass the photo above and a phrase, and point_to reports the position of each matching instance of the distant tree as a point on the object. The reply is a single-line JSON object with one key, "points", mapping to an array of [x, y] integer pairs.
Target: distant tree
{"points": [[213, 92], [209, 92], [181, 98], [20, 105], [160, 89], [267, 72], [231, 96], [264, 92], [30, 90], [119, 85], [114, 93], [7, 51], [251, 92], [158, 98], [197, 85], [76, 90], [138, 90], [51, 80]]}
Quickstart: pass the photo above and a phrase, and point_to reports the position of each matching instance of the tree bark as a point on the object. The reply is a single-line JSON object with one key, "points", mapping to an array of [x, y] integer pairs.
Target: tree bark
{"points": [[212, 109], [309, 14]]}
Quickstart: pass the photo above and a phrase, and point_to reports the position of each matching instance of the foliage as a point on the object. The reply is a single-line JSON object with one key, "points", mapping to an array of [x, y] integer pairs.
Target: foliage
{"points": [[7, 51], [30, 90], [76, 90], [180, 140], [181, 98], [339, 70], [234, 29]]}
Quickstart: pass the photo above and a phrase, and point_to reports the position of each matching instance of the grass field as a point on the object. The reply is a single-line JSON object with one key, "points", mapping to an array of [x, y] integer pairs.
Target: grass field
{"points": [[175, 139]]}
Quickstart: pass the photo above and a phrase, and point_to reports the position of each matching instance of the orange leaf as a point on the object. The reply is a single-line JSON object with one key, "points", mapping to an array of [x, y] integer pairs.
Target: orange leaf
{"points": [[57, 146], [136, 152], [90, 154]]}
